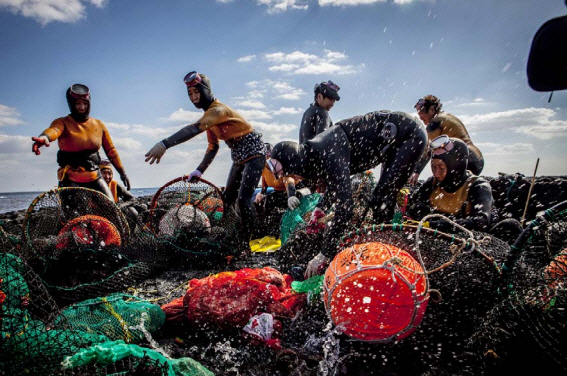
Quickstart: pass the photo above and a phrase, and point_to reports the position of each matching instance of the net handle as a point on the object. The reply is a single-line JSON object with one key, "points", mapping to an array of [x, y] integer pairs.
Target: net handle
{"points": [[153, 203]]}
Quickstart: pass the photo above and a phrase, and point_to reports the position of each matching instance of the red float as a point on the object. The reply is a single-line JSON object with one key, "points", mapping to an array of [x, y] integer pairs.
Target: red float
{"points": [[375, 292]]}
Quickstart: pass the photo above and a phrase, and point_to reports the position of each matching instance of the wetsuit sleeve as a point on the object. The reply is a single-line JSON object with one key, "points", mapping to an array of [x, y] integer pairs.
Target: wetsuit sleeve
{"points": [[306, 130], [211, 152], [184, 134], [480, 195], [422, 162], [111, 152], [54, 130], [123, 193], [290, 186], [418, 206]]}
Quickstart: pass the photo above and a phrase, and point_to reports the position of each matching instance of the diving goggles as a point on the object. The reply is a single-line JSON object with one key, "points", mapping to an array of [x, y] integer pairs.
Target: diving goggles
{"points": [[80, 91], [274, 167], [441, 145], [419, 106], [330, 84], [192, 79]]}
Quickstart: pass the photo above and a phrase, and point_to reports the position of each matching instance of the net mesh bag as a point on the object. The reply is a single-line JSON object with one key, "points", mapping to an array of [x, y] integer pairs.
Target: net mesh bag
{"points": [[28, 344], [51, 211], [117, 316], [526, 330], [462, 271], [190, 216], [78, 243]]}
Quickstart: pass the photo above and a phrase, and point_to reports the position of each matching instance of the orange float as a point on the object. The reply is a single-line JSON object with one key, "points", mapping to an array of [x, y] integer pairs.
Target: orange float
{"points": [[375, 292], [555, 274], [86, 230]]}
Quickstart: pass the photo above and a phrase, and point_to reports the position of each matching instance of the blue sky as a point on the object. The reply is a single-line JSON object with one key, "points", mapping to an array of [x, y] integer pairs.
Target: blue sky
{"points": [[263, 58]]}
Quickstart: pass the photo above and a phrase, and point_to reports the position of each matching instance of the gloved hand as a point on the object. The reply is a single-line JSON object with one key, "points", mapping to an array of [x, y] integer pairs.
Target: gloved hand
{"points": [[195, 174], [316, 266], [292, 202], [125, 180], [315, 216], [155, 153], [39, 142], [313, 226]]}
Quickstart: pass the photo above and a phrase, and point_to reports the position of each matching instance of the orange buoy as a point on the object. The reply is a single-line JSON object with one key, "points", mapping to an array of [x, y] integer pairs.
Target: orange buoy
{"points": [[375, 292], [86, 230], [555, 274]]}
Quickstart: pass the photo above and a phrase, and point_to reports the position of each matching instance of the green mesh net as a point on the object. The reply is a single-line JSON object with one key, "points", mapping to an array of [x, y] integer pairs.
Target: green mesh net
{"points": [[533, 309], [118, 317], [300, 215]]}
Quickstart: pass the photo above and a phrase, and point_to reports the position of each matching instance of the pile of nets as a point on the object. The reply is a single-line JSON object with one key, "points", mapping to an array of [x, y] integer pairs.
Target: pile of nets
{"points": [[526, 331], [78, 242]]}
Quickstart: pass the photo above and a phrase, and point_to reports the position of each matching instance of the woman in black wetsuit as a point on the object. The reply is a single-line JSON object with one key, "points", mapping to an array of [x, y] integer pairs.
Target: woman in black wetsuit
{"points": [[453, 190], [393, 139]]}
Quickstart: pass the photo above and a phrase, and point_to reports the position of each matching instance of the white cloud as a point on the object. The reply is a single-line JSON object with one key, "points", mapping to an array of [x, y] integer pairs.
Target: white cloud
{"points": [[246, 59], [276, 6], [297, 62], [288, 111], [250, 104], [127, 144], [274, 132], [274, 90], [9, 116], [535, 122], [46, 11], [502, 150], [184, 116], [254, 114], [338, 3]]}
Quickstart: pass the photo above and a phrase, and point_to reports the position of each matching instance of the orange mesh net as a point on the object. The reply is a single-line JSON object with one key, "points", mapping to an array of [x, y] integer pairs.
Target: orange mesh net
{"points": [[375, 292]]}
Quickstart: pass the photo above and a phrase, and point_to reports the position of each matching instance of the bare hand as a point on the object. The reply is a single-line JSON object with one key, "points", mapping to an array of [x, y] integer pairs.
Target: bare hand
{"points": [[155, 153], [413, 179]]}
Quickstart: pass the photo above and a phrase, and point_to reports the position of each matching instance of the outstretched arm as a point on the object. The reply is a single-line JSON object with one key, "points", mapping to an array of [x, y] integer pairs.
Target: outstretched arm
{"points": [[184, 134]]}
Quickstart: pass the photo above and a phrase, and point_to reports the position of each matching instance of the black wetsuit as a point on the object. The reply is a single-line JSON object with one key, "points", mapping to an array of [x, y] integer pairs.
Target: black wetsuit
{"points": [[315, 120], [393, 139], [461, 196]]}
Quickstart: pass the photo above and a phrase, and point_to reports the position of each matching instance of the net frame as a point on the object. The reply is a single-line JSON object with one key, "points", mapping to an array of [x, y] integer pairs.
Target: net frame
{"points": [[178, 192], [85, 201]]}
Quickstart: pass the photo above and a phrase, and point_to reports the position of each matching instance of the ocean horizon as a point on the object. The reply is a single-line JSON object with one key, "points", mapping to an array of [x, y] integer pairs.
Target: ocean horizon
{"points": [[16, 201]]}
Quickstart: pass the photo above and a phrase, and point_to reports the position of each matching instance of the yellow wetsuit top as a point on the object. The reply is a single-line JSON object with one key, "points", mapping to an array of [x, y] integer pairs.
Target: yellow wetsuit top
{"points": [[89, 135], [452, 203], [223, 123], [450, 125]]}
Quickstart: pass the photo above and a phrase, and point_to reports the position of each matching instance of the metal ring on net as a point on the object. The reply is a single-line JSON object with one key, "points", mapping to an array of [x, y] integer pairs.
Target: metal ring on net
{"points": [[52, 210], [197, 191]]}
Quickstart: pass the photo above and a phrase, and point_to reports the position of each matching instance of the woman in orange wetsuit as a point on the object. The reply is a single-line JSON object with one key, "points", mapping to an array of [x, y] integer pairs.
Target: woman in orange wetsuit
{"points": [[80, 138], [248, 151]]}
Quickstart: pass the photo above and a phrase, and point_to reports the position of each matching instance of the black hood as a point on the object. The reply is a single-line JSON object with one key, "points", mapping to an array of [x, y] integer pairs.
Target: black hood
{"points": [[457, 161], [80, 118], [289, 155], [204, 88]]}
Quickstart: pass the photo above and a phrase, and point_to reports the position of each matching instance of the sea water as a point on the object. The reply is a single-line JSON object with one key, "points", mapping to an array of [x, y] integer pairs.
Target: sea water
{"points": [[15, 201]]}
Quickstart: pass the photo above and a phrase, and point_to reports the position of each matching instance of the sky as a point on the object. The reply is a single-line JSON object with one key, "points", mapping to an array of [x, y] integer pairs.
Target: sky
{"points": [[263, 58]]}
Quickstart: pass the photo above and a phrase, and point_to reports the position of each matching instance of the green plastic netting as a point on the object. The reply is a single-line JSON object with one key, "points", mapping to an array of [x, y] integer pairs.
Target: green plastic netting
{"points": [[118, 317]]}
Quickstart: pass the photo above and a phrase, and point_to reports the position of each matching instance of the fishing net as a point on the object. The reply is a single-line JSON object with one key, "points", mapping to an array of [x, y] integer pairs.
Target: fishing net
{"points": [[79, 244], [117, 316], [49, 213], [526, 331], [190, 216], [28, 345], [462, 268], [510, 194]]}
